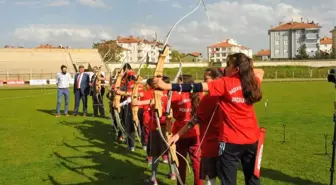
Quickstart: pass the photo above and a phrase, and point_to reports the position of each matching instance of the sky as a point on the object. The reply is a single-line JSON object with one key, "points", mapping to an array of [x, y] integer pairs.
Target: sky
{"points": [[79, 23]]}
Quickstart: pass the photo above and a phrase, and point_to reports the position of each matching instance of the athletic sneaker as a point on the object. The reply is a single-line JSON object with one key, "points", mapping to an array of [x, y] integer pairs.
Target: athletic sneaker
{"points": [[165, 159], [172, 176], [144, 148], [132, 149], [149, 160], [151, 182]]}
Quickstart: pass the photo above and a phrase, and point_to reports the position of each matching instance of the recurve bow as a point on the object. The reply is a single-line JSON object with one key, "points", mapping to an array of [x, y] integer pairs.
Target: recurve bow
{"points": [[158, 94]]}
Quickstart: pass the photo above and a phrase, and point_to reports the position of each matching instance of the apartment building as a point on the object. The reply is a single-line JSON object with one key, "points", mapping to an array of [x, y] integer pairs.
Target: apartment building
{"points": [[286, 39], [218, 52], [137, 48], [333, 32], [326, 45], [264, 54], [192, 57]]}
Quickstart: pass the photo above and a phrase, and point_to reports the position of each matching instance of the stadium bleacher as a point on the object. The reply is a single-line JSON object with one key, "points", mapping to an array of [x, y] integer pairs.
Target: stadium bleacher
{"points": [[43, 63]]}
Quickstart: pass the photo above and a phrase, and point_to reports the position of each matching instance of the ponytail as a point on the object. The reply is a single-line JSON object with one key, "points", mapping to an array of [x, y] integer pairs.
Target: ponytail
{"points": [[249, 83]]}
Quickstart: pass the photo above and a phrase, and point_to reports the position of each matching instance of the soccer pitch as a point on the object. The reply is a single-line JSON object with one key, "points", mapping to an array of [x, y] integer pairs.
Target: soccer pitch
{"points": [[36, 148]]}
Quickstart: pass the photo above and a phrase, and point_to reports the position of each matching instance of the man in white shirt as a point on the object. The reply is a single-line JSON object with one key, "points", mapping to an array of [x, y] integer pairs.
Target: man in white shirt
{"points": [[63, 80]]}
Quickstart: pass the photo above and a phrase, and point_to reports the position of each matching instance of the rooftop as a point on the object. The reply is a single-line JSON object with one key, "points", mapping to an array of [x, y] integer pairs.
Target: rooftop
{"points": [[227, 44], [264, 52], [195, 54], [295, 26], [326, 40]]}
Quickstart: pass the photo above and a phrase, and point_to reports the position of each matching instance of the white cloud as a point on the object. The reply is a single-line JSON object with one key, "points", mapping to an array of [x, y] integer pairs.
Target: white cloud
{"points": [[27, 3], [246, 21], [146, 31], [60, 34], [58, 3], [177, 5], [94, 3]]}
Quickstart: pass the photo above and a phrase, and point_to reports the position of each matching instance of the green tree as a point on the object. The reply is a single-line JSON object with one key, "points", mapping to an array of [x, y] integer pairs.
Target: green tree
{"points": [[110, 49], [175, 55], [256, 58], [302, 53]]}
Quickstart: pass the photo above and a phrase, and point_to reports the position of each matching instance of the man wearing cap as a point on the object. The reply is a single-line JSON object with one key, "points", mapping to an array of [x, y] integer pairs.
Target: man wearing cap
{"points": [[81, 90]]}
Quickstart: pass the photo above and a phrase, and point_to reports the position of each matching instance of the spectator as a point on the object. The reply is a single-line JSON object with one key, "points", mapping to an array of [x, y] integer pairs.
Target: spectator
{"points": [[63, 82]]}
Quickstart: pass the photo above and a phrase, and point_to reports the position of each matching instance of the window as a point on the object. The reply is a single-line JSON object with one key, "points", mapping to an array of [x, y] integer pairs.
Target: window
{"points": [[276, 42], [277, 51], [277, 33], [297, 41], [285, 51], [285, 42]]}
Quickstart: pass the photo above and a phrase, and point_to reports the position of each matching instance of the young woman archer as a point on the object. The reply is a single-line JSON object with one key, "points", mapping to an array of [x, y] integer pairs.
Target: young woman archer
{"points": [[239, 132]]}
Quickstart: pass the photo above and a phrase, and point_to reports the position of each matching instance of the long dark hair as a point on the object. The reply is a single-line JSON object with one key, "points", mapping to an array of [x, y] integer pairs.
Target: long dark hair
{"points": [[214, 72], [249, 83], [127, 66], [150, 82], [195, 98]]}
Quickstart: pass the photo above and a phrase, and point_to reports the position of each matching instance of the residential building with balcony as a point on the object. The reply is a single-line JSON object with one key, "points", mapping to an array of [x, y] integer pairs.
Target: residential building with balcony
{"points": [[220, 51], [192, 57], [333, 33], [139, 47], [263, 54], [326, 45], [287, 39]]}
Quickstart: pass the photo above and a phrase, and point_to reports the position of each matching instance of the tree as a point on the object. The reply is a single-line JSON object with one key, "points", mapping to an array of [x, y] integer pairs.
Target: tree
{"points": [[175, 55], [319, 55], [302, 53], [110, 49], [256, 58]]}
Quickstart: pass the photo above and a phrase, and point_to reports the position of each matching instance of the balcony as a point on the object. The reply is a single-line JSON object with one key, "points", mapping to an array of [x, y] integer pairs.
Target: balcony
{"points": [[141, 47], [311, 45], [141, 54], [312, 36]]}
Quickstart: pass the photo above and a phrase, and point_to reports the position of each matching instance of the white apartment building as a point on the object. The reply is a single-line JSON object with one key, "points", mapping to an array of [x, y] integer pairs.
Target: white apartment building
{"points": [[137, 48], [333, 33], [220, 51], [287, 39], [326, 45]]}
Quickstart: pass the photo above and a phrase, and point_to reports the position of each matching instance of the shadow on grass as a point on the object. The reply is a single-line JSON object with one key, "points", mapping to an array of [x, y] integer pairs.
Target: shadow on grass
{"points": [[53, 112], [99, 149], [279, 176]]}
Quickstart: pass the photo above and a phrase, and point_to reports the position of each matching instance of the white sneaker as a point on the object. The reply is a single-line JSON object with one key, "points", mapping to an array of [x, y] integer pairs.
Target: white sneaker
{"points": [[144, 148]]}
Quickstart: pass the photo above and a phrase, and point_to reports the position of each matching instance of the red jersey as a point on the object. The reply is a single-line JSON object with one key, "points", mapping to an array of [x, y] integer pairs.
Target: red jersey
{"points": [[163, 118], [182, 106], [140, 91], [205, 110], [147, 108], [239, 122]]}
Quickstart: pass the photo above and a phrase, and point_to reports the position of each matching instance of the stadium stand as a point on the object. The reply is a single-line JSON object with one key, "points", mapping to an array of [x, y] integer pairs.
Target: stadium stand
{"points": [[44, 63]]}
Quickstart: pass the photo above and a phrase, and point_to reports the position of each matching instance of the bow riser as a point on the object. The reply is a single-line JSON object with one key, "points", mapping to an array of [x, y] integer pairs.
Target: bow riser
{"points": [[116, 101], [135, 96], [159, 74]]}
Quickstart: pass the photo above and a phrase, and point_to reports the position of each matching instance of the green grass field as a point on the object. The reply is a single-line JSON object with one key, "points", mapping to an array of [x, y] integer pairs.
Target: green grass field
{"points": [[36, 148]]}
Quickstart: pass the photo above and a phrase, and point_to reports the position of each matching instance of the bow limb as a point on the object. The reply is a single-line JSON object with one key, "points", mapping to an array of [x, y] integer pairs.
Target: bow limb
{"points": [[116, 101], [135, 108], [159, 74]]}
